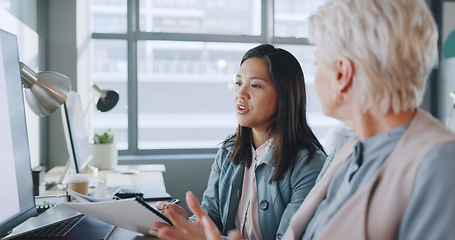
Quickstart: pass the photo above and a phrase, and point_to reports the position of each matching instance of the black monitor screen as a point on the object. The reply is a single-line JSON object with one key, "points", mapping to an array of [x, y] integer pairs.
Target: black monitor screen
{"points": [[16, 187]]}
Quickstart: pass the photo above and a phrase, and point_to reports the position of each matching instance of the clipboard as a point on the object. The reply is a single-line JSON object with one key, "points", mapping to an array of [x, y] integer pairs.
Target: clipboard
{"points": [[133, 214]]}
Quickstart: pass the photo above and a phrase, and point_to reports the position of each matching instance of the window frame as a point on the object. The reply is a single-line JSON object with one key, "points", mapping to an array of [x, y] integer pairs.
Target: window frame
{"points": [[134, 155]]}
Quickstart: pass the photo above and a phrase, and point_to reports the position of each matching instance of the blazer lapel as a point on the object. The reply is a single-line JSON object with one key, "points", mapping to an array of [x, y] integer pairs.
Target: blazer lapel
{"points": [[303, 215], [234, 197]]}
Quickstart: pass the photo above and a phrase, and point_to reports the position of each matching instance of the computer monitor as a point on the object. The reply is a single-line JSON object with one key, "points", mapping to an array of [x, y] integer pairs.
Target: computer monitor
{"points": [[76, 134], [17, 202]]}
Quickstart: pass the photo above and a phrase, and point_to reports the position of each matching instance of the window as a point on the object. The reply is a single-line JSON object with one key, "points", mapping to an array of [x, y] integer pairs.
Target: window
{"points": [[184, 92], [173, 62], [110, 71], [290, 17]]}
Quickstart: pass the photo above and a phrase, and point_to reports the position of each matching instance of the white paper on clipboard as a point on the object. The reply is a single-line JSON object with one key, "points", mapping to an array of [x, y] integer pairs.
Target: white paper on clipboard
{"points": [[129, 213]]}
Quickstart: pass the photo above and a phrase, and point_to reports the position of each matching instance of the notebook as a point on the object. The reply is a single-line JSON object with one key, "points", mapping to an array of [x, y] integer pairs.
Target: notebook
{"points": [[63, 223], [133, 214]]}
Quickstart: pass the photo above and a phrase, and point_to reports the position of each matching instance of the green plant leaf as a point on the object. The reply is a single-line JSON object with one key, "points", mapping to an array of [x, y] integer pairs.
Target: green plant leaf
{"points": [[106, 137]]}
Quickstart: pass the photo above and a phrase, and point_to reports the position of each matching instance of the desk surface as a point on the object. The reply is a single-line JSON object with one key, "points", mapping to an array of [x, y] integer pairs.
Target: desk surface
{"points": [[145, 178], [148, 178]]}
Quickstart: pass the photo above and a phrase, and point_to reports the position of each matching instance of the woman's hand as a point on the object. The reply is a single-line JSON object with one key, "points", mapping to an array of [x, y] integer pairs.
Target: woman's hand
{"points": [[203, 229], [162, 207], [183, 228], [212, 233]]}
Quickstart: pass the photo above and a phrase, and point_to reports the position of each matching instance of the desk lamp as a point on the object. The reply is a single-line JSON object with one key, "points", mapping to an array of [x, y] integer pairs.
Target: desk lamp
{"points": [[45, 92], [107, 99]]}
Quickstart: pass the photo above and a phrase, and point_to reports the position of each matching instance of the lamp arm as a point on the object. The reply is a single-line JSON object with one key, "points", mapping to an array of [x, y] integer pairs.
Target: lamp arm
{"points": [[88, 105], [29, 77], [98, 90]]}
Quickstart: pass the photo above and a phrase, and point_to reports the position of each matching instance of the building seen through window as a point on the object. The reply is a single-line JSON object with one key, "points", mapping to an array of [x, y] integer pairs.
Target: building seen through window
{"points": [[179, 58]]}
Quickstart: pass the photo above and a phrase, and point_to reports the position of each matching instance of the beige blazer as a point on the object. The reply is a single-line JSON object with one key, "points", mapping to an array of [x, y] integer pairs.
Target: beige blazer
{"points": [[375, 211]]}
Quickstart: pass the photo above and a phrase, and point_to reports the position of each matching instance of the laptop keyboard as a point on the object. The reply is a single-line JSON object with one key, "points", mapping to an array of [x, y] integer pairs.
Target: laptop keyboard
{"points": [[57, 230]]}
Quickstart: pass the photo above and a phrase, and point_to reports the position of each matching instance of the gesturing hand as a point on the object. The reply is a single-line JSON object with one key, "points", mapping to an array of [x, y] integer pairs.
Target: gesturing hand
{"points": [[183, 228], [202, 229]]}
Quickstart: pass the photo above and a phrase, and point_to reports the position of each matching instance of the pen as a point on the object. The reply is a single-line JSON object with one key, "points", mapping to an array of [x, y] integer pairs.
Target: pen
{"points": [[175, 201]]}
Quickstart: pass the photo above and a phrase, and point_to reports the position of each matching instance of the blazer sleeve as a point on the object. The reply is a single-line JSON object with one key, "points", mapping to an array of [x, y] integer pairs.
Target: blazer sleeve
{"points": [[302, 181], [210, 199], [430, 213]]}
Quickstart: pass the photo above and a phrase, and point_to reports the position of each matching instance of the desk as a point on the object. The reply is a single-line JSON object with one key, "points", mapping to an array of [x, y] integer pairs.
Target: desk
{"points": [[149, 178], [145, 178]]}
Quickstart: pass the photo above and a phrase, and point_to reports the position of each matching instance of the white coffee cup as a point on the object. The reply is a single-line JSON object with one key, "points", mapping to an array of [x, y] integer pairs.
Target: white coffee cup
{"points": [[79, 183]]}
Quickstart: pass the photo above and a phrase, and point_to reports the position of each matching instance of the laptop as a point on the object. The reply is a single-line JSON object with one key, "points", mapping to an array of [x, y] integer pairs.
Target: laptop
{"points": [[60, 222]]}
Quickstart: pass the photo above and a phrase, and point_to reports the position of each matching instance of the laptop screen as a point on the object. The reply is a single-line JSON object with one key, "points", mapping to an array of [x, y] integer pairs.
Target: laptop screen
{"points": [[16, 186]]}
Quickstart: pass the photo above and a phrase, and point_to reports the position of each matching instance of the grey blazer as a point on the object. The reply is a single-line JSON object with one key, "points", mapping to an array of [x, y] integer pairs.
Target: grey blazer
{"points": [[277, 202]]}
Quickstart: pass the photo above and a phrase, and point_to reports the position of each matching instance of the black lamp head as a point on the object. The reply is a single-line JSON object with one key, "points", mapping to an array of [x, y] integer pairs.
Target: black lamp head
{"points": [[108, 102], [107, 99]]}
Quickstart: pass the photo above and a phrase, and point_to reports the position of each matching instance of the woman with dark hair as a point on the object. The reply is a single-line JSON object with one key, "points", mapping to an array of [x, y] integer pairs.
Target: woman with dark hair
{"points": [[264, 171]]}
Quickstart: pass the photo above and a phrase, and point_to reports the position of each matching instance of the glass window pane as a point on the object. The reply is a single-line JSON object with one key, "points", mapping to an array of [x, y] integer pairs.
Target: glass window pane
{"points": [[108, 16], [109, 72], [236, 17], [185, 95], [291, 17]]}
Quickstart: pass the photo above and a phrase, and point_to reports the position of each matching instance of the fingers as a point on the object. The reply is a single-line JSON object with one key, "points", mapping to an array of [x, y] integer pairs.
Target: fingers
{"points": [[154, 232], [179, 210], [160, 205], [210, 229], [182, 228], [168, 232], [160, 225], [177, 220], [194, 205], [157, 228], [235, 235]]}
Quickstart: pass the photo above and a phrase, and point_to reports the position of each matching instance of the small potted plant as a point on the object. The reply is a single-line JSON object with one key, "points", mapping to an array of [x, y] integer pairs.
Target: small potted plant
{"points": [[104, 151], [107, 137]]}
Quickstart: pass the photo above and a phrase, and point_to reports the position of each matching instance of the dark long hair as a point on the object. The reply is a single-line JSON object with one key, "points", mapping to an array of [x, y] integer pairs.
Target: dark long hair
{"points": [[290, 129]]}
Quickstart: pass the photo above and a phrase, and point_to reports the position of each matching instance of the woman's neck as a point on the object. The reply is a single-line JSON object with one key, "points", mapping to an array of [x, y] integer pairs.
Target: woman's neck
{"points": [[368, 124], [259, 138]]}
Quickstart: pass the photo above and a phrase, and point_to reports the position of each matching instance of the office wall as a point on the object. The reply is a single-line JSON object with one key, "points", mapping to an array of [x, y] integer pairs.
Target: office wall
{"points": [[61, 56]]}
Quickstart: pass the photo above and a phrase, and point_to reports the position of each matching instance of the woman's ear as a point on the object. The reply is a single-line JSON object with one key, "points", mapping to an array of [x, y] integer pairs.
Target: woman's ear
{"points": [[344, 69]]}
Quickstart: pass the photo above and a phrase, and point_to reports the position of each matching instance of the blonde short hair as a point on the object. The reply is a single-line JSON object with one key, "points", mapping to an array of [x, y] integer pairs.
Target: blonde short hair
{"points": [[392, 43]]}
